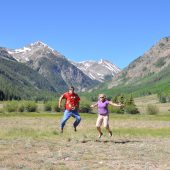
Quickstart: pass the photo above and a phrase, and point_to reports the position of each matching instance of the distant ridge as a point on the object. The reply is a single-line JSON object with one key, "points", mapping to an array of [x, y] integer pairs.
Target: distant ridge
{"points": [[153, 61], [98, 70]]}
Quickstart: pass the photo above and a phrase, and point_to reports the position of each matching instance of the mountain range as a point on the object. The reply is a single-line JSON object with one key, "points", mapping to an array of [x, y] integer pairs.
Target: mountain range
{"points": [[38, 70], [38, 61], [53, 66]]}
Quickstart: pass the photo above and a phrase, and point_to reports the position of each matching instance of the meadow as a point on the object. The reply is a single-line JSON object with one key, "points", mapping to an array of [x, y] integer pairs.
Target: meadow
{"points": [[33, 141]]}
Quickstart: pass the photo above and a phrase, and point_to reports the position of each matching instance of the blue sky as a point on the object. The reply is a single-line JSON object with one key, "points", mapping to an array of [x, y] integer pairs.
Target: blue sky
{"points": [[116, 30]]}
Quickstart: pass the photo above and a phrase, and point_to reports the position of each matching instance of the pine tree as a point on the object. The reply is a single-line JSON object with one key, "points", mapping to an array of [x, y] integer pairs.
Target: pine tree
{"points": [[122, 101], [115, 99], [130, 106]]}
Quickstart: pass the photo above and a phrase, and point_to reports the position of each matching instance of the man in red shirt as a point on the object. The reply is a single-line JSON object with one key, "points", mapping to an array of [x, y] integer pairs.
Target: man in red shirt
{"points": [[71, 108]]}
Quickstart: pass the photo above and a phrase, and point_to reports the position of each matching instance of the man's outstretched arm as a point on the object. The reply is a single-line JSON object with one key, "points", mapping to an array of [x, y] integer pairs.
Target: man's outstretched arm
{"points": [[60, 100]]}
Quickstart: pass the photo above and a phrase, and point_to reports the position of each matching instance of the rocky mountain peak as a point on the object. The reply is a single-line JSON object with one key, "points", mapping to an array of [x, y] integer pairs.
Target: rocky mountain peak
{"points": [[98, 70], [165, 40], [152, 61], [159, 47], [39, 43], [33, 51]]}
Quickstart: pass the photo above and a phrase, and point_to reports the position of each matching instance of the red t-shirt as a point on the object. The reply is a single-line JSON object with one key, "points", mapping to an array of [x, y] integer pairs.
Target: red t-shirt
{"points": [[72, 101]]}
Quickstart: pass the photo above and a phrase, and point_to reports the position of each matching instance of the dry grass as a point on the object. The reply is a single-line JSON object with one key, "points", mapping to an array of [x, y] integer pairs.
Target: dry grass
{"points": [[142, 103], [35, 143], [72, 154]]}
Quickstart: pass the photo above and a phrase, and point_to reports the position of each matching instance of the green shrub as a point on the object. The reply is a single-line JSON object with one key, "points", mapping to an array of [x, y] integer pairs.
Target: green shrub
{"points": [[48, 106], [162, 99], [85, 105], [161, 45], [52, 106], [160, 62], [93, 98], [1, 110], [115, 110], [11, 106], [121, 111], [144, 69], [30, 106], [131, 109], [21, 106], [85, 108], [56, 108], [152, 109], [115, 99]]}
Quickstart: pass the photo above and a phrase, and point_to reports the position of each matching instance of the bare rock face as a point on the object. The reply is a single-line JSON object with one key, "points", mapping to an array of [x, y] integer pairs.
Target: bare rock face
{"points": [[53, 66], [5, 55], [153, 61], [98, 70]]}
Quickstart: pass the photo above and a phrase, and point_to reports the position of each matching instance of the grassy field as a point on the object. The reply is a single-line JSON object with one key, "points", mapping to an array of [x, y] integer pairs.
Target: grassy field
{"points": [[32, 141], [142, 103]]}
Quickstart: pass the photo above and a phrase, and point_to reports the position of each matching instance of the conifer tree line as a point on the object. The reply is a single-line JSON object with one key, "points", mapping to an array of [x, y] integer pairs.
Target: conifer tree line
{"points": [[8, 92], [128, 104], [127, 101], [17, 81]]}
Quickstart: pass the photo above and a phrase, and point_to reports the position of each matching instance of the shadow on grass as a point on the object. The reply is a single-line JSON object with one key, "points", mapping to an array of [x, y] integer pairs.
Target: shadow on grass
{"points": [[111, 141], [118, 142]]}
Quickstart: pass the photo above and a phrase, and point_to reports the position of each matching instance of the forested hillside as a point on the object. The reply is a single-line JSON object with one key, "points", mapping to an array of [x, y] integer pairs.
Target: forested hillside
{"points": [[18, 81], [158, 83]]}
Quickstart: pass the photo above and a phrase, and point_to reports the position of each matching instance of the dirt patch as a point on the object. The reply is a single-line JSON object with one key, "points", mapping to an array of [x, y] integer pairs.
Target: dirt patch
{"points": [[85, 154]]}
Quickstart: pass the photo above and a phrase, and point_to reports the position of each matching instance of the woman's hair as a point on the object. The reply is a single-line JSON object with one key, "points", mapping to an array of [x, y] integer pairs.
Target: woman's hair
{"points": [[102, 96]]}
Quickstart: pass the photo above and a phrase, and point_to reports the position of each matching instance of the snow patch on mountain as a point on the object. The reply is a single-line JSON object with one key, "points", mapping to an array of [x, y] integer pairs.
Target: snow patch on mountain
{"points": [[98, 70], [27, 53]]}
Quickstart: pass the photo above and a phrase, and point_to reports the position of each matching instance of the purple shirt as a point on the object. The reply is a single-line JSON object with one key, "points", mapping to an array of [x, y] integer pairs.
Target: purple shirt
{"points": [[102, 107]]}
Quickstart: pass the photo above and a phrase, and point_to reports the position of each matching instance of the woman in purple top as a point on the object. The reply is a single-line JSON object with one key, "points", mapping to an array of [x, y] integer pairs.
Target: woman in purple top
{"points": [[103, 114]]}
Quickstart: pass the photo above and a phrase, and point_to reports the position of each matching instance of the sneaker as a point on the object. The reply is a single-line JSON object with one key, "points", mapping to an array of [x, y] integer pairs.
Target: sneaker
{"points": [[110, 133], [61, 131], [100, 135], [75, 129]]}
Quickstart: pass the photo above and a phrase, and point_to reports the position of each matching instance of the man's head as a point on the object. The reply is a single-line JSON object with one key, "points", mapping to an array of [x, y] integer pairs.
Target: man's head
{"points": [[71, 89]]}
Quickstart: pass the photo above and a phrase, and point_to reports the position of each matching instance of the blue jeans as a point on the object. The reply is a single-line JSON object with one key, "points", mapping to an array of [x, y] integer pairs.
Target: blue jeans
{"points": [[68, 114]]}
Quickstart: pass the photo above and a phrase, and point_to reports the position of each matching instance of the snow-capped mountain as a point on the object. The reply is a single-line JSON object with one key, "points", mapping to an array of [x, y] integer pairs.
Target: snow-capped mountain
{"points": [[60, 72], [98, 70], [29, 52]]}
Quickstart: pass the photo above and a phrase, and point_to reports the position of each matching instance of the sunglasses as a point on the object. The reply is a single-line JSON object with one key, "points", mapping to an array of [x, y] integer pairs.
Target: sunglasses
{"points": [[101, 97]]}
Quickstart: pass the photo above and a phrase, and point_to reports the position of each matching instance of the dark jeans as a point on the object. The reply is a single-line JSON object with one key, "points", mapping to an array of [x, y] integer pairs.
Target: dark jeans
{"points": [[68, 114]]}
